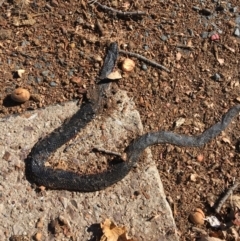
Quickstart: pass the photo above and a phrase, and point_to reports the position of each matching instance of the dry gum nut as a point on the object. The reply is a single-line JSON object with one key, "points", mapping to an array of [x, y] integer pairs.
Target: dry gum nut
{"points": [[197, 217], [128, 65], [20, 95]]}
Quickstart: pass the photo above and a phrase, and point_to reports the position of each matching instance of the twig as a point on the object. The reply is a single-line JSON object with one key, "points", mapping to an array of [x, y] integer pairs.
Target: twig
{"points": [[122, 156], [23, 54], [117, 12], [107, 151], [150, 62], [225, 197]]}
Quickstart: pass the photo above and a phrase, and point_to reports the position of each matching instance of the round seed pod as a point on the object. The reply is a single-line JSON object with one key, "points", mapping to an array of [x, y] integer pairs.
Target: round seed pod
{"points": [[197, 217], [128, 65], [20, 95]]}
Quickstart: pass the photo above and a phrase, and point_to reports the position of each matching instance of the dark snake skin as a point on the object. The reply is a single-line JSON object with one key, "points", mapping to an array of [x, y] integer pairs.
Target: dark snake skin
{"points": [[37, 172]]}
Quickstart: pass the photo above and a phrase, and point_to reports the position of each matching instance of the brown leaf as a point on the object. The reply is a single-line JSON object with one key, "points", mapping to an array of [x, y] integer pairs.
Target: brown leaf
{"points": [[179, 122], [220, 61], [114, 75], [193, 177], [226, 140], [113, 233]]}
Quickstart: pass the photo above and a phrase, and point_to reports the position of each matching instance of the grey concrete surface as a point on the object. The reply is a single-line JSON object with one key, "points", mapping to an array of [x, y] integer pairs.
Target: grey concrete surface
{"points": [[138, 201]]}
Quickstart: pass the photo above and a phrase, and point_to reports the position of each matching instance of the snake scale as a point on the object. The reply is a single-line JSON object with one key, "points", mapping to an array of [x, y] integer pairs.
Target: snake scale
{"points": [[37, 172]]}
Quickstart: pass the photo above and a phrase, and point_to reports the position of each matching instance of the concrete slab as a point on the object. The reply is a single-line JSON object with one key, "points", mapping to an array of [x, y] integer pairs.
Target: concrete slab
{"points": [[138, 201]]}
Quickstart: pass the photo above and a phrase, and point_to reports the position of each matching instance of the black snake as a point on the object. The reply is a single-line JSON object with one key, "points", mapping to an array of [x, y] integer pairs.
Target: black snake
{"points": [[37, 172]]}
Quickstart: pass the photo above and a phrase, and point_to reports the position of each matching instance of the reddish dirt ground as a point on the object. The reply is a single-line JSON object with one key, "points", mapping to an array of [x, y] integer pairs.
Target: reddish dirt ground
{"points": [[61, 46]]}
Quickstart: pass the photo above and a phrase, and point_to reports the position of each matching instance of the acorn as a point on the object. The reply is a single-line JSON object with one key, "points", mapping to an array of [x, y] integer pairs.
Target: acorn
{"points": [[128, 65], [197, 217], [20, 95]]}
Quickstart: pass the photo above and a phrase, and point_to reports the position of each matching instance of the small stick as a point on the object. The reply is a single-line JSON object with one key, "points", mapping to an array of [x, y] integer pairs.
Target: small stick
{"points": [[184, 46], [150, 62], [117, 12], [100, 28], [225, 197], [122, 156], [107, 151]]}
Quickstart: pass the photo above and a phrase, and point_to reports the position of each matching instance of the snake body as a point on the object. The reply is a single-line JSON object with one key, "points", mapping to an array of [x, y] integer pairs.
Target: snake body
{"points": [[37, 172]]}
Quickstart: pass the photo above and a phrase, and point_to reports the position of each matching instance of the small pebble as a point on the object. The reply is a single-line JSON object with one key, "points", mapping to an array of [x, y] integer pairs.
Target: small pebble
{"points": [[196, 8], [216, 77], [70, 73], [145, 47], [237, 20], [25, 43], [53, 84], [190, 31], [144, 67], [204, 34], [45, 73], [215, 37], [80, 20], [20, 95], [164, 38], [237, 32], [38, 80], [76, 80], [30, 78], [234, 9], [37, 65]]}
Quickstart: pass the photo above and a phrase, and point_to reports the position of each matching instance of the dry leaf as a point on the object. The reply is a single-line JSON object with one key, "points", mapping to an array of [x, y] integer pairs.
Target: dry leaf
{"points": [[126, 5], [16, 22], [20, 72], [193, 177], [28, 22], [220, 61], [213, 221], [179, 122], [113, 233], [114, 75], [226, 140], [205, 46]]}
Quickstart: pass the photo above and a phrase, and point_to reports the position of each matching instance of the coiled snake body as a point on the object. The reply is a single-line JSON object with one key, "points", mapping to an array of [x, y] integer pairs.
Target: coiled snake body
{"points": [[37, 172]]}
